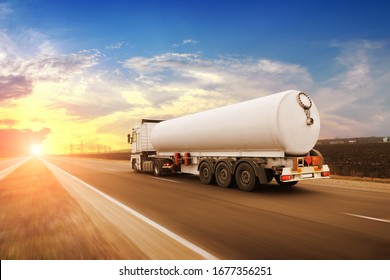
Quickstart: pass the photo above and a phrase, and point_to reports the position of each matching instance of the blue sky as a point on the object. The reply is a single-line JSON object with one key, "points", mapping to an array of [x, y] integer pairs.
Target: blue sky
{"points": [[94, 68]]}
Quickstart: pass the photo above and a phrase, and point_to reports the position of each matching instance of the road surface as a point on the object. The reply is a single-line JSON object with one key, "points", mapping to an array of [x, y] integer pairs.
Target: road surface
{"points": [[72, 208]]}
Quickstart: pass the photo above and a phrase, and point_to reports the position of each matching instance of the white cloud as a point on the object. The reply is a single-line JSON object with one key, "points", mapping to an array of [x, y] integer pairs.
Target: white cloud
{"points": [[35, 57], [59, 67], [354, 102], [358, 96], [186, 42], [55, 80], [117, 45], [234, 78]]}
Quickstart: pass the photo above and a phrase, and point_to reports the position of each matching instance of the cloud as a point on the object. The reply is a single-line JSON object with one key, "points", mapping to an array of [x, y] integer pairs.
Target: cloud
{"points": [[183, 78], [185, 42], [117, 45], [14, 87], [59, 67], [358, 95], [114, 46], [80, 100], [354, 102], [41, 61], [8, 122], [42, 87], [101, 105]]}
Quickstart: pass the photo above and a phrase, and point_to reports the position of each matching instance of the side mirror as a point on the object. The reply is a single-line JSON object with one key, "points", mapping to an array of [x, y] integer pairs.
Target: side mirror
{"points": [[129, 140]]}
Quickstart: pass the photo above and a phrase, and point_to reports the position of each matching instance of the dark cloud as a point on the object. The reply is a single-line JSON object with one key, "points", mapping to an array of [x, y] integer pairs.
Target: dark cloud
{"points": [[14, 142], [14, 87]]}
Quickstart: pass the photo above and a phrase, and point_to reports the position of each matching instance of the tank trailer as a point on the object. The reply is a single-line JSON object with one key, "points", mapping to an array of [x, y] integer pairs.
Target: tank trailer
{"points": [[244, 144]]}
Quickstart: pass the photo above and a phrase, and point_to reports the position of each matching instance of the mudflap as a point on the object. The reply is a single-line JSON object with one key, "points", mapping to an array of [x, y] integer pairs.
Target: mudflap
{"points": [[262, 175]]}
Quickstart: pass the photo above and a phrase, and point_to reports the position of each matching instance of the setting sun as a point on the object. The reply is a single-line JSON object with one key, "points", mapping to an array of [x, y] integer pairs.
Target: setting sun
{"points": [[36, 150]]}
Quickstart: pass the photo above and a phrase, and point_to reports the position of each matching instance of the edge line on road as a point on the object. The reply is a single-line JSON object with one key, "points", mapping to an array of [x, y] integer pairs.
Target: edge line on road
{"points": [[5, 172], [150, 222], [367, 218]]}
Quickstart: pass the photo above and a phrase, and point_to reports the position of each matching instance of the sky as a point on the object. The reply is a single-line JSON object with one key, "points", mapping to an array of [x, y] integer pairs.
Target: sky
{"points": [[76, 76]]}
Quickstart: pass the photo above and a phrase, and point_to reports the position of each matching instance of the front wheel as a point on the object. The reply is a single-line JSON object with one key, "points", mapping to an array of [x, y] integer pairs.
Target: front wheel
{"points": [[245, 177], [134, 166]]}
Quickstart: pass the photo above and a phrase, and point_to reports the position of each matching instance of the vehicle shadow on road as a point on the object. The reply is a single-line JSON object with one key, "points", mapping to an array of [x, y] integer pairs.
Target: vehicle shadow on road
{"points": [[271, 189], [277, 190]]}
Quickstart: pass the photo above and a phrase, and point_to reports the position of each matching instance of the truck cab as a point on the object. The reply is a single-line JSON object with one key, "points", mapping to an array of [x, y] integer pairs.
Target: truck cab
{"points": [[141, 144]]}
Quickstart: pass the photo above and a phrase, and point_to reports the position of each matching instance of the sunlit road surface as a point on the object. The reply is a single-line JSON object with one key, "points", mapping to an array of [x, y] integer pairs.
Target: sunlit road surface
{"points": [[71, 208]]}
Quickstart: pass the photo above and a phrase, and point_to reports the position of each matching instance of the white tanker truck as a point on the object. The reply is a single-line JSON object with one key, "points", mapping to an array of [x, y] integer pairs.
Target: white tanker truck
{"points": [[244, 144]]}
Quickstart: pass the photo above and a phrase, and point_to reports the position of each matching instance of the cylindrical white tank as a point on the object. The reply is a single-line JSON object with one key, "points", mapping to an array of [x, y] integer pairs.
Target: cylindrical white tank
{"points": [[278, 122]]}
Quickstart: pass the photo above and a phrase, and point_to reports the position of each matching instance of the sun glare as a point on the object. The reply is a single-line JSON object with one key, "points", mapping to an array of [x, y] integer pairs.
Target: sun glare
{"points": [[36, 150]]}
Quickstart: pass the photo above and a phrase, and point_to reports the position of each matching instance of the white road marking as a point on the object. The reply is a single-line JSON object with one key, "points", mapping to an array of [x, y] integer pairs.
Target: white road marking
{"points": [[368, 218], [194, 248], [168, 180], [10, 169]]}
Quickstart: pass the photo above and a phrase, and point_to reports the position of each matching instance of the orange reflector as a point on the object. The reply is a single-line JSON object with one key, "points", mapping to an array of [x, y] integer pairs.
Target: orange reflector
{"points": [[316, 160], [325, 174], [308, 160], [286, 177]]}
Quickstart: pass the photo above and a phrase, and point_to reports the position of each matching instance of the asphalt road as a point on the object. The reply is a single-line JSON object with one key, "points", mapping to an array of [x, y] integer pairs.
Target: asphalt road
{"points": [[177, 217]]}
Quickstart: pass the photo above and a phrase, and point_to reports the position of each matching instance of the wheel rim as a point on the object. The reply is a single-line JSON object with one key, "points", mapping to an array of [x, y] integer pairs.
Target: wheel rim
{"points": [[205, 172], [223, 175], [245, 177]]}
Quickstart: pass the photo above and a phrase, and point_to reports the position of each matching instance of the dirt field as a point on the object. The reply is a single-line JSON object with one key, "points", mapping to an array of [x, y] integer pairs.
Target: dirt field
{"points": [[370, 160]]}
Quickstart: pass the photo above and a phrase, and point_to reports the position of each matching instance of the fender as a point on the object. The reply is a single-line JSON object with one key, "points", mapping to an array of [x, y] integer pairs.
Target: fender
{"points": [[257, 165]]}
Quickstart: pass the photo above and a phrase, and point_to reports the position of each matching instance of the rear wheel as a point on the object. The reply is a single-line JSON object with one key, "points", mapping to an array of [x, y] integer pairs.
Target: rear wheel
{"points": [[134, 165], [205, 173], [223, 175], [157, 169], [245, 177]]}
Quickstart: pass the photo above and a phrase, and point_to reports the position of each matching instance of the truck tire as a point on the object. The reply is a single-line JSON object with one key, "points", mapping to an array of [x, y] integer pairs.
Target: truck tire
{"points": [[205, 173], [223, 176], [245, 177], [157, 169], [134, 166]]}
